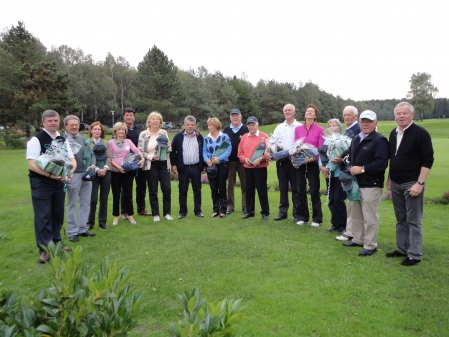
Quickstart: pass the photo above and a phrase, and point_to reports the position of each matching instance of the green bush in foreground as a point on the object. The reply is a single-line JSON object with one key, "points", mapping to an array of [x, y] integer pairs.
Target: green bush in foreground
{"points": [[202, 319], [76, 304]]}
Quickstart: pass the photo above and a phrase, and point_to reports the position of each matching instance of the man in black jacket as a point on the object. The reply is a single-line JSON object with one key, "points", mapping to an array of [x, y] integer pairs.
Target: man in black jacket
{"points": [[368, 157], [411, 158], [187, 162]]}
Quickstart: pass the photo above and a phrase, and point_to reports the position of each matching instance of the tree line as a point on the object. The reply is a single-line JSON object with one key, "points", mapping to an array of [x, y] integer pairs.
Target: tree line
{"points": [[33, 79]]}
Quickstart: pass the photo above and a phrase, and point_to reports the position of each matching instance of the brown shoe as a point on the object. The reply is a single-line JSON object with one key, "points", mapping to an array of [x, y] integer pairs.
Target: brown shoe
{"points": [[44, 257], [144, 212], [125, 216]]}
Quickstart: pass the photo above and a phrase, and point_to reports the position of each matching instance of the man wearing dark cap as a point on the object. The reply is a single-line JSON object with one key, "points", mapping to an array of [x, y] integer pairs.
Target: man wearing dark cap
{"points": [[368, 158], [186, 162], [141, 183], [251, 153], [411, 158], [235, 131]]}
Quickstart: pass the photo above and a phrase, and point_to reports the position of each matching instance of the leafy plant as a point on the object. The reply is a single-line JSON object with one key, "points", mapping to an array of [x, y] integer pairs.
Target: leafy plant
{"points": [[76, 304], [202, 319]]}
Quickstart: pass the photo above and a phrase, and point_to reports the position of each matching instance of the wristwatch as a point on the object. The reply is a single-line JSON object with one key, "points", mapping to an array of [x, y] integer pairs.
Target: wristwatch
{"points": [[422, 183], [363, 169]]}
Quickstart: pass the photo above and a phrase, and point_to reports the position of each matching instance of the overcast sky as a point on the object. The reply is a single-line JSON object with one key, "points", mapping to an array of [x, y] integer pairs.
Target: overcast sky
{"points": [[355, 49]]}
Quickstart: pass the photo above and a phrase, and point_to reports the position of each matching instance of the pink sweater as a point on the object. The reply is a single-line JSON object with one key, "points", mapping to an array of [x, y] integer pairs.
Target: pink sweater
{"points": [[118, 155], [313, 136]]}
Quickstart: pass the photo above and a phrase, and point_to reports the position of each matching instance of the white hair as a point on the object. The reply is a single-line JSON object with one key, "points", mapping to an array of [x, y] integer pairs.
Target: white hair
{"points": [[353, 108], [412, 109]]}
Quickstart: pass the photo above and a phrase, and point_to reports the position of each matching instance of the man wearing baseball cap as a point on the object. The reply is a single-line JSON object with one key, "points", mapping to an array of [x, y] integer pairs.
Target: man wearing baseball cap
{"points": [[368, 158], [235, 131]]}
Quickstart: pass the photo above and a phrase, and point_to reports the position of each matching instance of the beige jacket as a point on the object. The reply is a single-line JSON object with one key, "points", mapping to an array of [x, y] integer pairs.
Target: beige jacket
{"points": [[147, 146]]}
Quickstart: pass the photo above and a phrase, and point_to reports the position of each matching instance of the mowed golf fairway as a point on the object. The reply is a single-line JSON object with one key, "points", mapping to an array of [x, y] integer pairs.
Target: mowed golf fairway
{"points": [[294, 280]]}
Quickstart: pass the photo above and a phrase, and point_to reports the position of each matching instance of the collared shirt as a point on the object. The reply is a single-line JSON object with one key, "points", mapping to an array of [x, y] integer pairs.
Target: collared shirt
{"points": [[235, 130], [286, 133], [362, 136], [350, 126], [121, 144], [400, 134], [190, 149], [255, 135]]}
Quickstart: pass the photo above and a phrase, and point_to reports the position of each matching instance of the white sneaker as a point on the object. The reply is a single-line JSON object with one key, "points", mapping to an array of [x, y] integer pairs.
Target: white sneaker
{"points": [[315, 224], [300, 222], [168, 217], [342, 238], [156, 218]]}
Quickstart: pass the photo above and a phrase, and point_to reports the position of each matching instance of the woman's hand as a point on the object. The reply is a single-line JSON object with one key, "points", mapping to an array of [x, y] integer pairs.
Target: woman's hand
{"points": [[325, 171], [142, 163], [209, 162], [215, 160]]}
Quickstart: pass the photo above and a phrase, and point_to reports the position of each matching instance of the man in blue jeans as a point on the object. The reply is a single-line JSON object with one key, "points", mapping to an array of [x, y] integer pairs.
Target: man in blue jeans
{"points": [[411, 158]]}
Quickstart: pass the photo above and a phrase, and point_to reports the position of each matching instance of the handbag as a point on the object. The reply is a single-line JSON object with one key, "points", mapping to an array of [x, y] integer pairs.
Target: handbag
{"points": [[89, 175]]}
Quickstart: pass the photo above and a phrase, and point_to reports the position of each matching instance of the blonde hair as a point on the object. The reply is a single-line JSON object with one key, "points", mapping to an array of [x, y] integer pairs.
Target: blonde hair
{"points": [[119, 126], [215, 122], [155, 114]]}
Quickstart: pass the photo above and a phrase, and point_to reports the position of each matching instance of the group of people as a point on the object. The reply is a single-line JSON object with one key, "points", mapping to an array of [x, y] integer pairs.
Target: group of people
{"points": [[238, 149]]}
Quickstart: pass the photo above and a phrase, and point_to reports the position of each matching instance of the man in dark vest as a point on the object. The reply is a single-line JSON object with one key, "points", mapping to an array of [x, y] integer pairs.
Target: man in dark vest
{"points": [[47, 190], [235, 131]]}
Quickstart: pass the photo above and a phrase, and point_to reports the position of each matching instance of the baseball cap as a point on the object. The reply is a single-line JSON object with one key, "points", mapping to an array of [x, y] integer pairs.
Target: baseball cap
{"points": [[235, 111], [368, 114], [346, 179], [162, 141], [100, 151], [252, 119]]}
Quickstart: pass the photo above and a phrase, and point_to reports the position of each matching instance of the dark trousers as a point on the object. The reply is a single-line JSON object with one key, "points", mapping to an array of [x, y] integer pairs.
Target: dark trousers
{"points": [[159, 174], [122, 187], [218, 189], [191, 175], [141, 190], [337, 204], [287, 174], [47, 196], [311, 172], [104, 183], [256, 178]]}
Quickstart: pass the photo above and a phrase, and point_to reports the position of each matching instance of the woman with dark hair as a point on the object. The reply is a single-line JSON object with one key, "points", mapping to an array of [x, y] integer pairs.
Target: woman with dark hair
{"points": [[154, 145], [313, 135], [120, 148], [216, 151], [100, 148]]}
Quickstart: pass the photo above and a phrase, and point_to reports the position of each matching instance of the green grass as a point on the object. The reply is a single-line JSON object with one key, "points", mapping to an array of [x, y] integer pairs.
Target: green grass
{"points": [[295, 280]]}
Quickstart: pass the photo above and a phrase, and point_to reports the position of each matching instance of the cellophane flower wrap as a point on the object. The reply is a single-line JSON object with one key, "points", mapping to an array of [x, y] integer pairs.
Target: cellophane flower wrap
{"points": [[301, 151], [277, 149], [55, 160]]}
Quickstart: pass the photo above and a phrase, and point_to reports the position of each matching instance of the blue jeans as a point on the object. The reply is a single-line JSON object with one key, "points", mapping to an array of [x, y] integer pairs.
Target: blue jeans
{"points": [[409, 211]]}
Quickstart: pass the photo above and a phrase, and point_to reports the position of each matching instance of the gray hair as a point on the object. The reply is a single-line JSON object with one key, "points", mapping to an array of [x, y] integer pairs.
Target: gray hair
{"points": [[294, 109], [190, 119], [69, 118], [412, 109], [336, 121], [353, 108], [49, 113]]}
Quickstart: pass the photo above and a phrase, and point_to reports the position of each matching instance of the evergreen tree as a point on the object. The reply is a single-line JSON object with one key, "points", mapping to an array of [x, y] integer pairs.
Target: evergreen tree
{"points": [[157, 87], [245, 101]]}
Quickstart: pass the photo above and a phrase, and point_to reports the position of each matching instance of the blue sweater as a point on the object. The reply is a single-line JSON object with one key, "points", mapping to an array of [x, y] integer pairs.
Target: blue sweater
{"points": [[210, 146]]}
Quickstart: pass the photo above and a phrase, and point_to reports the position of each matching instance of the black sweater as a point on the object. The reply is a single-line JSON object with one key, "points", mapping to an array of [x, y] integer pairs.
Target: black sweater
{"points": [[235, 140], [415, 151]]}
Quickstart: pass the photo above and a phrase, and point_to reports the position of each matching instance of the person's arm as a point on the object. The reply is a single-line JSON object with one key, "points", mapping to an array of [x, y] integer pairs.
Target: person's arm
{"points": [[174, 153], [228, 151], [417, 188], [240, 153]]}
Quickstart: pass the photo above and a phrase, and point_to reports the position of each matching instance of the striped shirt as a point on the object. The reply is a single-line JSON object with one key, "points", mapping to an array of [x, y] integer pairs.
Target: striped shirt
{"points": [[190, 150]]}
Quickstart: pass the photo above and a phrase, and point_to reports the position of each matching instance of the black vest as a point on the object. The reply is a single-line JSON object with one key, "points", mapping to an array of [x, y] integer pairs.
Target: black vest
{"points": [[45, 141]]}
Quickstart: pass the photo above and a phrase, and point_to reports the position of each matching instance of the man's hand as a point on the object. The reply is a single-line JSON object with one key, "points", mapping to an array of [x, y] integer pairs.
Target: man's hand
{"points": [[257, 162], [416, 189], [356, 170], [174, 170]]}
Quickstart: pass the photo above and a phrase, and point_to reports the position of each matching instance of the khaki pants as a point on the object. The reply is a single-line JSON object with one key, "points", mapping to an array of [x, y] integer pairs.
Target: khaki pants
{"points": [[365, 218]]}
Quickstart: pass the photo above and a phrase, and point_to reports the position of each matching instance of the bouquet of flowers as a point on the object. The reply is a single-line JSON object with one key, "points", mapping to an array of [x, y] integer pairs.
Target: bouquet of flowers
{"points": [[337, 145], [276, 149], [55, 160], [131, 162]]}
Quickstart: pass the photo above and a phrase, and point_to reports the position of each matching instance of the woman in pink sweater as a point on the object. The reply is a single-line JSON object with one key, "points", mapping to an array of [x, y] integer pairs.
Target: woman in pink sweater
{"points": [[312, 134], [120, 147]]}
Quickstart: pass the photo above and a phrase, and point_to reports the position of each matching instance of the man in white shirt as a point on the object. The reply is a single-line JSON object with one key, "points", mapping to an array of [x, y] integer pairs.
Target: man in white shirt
{"points": [[47, 190], [285, 132]]}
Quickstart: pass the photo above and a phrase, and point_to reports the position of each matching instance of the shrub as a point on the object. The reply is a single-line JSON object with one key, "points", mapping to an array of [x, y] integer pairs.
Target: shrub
{"points": [[76, 304], [202, 319], [14, 140]]}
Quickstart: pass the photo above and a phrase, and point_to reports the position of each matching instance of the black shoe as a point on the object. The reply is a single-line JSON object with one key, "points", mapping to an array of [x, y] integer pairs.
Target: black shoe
{"points": [[410, 262], [280, 217], [181, 216], [90, 226], [214, 215], [246, 216], [44, 257], [244, 210], [342, 232], [331, 229], [103, 226], [74, 238], [351, 244], [264, 217], [200, 215], [222, 216], [86, 234], [395, 254], [229, 211], [367, 252]]}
